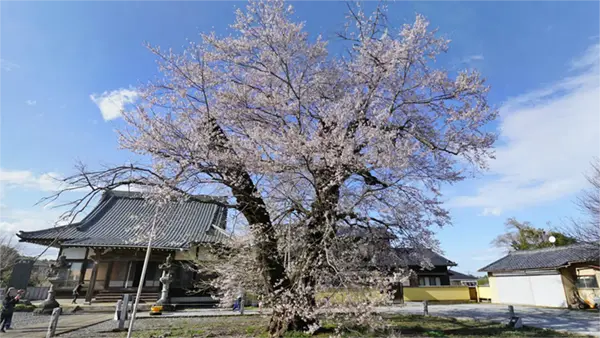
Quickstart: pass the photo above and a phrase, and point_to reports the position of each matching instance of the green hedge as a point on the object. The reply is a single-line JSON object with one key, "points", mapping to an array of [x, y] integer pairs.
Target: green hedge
{"points": [[24, 308]]}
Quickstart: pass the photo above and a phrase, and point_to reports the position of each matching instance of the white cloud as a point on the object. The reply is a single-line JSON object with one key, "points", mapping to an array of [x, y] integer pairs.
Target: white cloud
{"points": [[45, 215], [112, 103], [31, 102], [491, 211], [36, 218], [548, 138], [472, 58], [14, 220], [7, 65], [27, 179]]}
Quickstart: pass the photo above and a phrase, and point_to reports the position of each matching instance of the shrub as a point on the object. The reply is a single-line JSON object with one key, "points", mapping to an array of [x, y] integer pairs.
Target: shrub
{"points": [[24, 308]]}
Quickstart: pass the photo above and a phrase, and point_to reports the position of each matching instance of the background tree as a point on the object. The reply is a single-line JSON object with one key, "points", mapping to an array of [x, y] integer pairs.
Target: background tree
{"points": [[483, 281], [295, 136], [586, 229], [9, 254], [39, 273], [524, 236]]}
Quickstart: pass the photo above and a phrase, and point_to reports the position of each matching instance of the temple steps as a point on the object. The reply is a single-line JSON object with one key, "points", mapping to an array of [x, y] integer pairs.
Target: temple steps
{"points": [[112, 297]]}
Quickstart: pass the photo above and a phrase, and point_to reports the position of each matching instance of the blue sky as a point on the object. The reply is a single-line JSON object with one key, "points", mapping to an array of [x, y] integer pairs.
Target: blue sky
{"points": [[540, 58]]}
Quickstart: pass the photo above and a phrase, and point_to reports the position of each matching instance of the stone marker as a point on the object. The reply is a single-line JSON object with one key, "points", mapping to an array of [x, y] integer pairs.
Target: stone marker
{"points": [[242, 301], [118, 308], [514, 321], [124, 310]]}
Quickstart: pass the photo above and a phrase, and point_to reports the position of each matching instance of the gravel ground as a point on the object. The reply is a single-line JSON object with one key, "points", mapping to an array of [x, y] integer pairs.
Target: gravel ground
{"points": [[219, 327], [21, 319], [102, 330]]}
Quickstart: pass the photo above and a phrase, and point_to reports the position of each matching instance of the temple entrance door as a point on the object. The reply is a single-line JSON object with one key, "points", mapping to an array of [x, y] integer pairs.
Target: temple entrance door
{"points": [[138, 266], [118, 274]]}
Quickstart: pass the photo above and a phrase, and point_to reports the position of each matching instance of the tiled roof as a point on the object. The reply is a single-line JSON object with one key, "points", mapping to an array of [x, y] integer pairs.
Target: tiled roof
{"points": [[455, 275], [124, 219], [545, 258], [407, 256], [413, 257]]}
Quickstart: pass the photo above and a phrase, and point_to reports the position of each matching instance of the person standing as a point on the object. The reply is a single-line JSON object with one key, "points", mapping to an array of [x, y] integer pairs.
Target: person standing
{"points": [[8, 308], [76, 291]]}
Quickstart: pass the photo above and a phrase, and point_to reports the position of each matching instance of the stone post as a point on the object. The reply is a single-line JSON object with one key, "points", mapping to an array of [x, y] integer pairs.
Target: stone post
{"points": [[165, 279], [242, 303], [426, 308], [53, 323], [124, 312]]}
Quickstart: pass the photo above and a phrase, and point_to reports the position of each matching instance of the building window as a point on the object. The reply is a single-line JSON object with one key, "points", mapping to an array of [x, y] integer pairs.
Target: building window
{"points": [[73, 274], [429, 281], [587, 282]]}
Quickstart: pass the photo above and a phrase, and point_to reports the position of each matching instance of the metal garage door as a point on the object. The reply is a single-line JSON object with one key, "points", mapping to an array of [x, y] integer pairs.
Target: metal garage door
{"points": [[540, 289]]}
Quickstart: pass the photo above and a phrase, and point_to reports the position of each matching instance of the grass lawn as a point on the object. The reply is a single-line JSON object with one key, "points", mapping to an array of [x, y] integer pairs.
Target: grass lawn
{"points": [[399, 325]]}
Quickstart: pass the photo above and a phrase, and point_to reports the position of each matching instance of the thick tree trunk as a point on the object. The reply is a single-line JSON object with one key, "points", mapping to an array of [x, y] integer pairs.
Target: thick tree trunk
{"points": [[280, 324], [255, 211], [291, 318]]}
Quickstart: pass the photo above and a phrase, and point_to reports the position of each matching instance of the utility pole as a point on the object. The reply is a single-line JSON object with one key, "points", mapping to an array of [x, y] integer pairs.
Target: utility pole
{"points": [[143, 277]]}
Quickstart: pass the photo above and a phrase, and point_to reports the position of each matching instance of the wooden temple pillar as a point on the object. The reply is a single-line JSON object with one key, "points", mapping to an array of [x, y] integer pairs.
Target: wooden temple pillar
{"points": [[95, 259], [90, 291]]}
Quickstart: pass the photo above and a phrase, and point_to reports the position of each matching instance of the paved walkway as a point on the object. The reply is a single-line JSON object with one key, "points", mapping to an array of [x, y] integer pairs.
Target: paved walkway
{"points": [[66, 323], [582, 322]]}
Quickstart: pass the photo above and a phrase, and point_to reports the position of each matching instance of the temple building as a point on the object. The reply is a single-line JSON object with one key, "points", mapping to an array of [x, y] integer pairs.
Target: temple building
{"points": [[105, 250]]}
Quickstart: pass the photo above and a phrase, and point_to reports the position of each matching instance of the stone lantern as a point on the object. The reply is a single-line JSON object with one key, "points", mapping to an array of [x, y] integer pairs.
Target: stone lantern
{"points": [[56, 275], [165, 279]]}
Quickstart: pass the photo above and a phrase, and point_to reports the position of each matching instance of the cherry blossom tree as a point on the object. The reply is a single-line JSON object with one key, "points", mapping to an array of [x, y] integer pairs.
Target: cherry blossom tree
{"points": [[307, 145]]}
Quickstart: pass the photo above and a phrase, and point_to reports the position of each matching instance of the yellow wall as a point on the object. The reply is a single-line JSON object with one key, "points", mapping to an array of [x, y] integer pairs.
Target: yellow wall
{"points": [[439, 293], [341, 296], [484, 292], [493, 290]]}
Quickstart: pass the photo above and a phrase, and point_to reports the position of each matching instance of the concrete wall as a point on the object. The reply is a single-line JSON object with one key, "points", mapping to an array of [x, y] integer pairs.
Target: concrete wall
{"points": [[437, 293]]}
